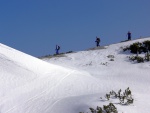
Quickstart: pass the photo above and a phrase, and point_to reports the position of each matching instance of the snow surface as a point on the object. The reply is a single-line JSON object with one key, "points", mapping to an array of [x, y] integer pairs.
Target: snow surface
{"points": [[72, 83]]}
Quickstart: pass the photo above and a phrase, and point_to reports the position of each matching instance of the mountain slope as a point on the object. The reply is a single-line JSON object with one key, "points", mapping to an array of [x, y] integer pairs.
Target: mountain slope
{"points": [[30, 85], [113, 75], [72, 83]]}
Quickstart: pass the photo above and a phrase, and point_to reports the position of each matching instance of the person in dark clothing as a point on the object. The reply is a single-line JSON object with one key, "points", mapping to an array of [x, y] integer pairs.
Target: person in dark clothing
{"points": [[97, 41], [129, 35], [57, 49]]}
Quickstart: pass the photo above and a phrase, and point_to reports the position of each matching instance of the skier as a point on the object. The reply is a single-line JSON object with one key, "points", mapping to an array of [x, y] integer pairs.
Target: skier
{"points": [[97, 41], [129, 35], [57, 49]]}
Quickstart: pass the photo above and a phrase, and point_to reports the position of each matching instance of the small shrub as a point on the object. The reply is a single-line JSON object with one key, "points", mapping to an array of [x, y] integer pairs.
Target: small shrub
{"points": [[134, 48], [107, 96], [147, 45], [89, 64], [104, 63], [125, 98], [92, 110], [111, 56], [119, 93], [110, 108], [112, 59], [99, 109], [132, 58], [139, 48], [129, 101], [147, 56], [137, 58]]}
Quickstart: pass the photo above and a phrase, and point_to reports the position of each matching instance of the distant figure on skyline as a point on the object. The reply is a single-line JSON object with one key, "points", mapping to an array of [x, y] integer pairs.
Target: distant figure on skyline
{"points": [[97, 41], [129, 35], [57, 49]]}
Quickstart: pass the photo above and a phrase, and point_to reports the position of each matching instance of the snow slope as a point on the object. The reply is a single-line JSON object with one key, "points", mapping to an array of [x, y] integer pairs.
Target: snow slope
{"points": [[73, 83], [30, 85], [112, 75]]}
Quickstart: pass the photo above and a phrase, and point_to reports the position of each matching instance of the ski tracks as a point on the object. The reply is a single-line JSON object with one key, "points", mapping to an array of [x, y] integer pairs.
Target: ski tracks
{"points": [[42, 93]]}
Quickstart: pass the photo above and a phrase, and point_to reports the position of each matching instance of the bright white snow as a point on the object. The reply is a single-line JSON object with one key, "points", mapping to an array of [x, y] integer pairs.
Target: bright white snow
{"points": [[73, 83]]}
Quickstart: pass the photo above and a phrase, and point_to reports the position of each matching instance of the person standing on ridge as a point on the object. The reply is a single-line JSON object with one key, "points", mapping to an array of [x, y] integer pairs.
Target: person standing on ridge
{"points": [[57, 49], [129, 35], [97, 41]]}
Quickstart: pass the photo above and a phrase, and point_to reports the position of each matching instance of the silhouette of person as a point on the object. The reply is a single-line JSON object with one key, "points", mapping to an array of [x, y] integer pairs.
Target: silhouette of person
{"points": [[129, 35], [97, 41], [57, 49]]}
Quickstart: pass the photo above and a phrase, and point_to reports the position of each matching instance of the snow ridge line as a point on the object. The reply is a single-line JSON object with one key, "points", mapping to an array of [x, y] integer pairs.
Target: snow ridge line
{"points": [[39, 95]]}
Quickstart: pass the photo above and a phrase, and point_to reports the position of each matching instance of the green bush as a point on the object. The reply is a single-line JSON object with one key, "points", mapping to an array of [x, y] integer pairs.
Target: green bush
{"points": [[147, 57], [125, 99], [135, 47], [110, 108], [138, 47], [107, 96], [147, 45], [137, 58]]}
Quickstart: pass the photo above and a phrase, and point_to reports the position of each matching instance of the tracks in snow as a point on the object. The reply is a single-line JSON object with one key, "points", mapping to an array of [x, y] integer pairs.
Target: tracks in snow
{"points": [[46, 91]]}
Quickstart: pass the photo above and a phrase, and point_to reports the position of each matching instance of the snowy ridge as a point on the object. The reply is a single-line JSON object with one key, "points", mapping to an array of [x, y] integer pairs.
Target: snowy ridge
{"points": [[73, 83], [25, 80]]}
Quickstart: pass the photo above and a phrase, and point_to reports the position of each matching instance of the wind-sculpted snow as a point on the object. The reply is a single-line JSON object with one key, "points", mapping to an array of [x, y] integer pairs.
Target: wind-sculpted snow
{"points": [[73, 83], [30, 85]]}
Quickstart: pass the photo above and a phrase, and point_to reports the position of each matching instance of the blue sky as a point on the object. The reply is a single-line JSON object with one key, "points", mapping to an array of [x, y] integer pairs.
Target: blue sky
{"points": [[36, 26]]}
